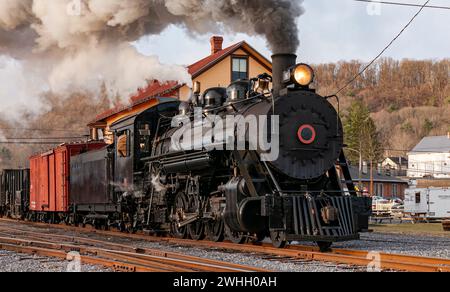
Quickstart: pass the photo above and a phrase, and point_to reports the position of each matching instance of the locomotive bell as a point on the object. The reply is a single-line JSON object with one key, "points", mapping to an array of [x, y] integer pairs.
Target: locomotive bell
{"points": [[261, 86]]}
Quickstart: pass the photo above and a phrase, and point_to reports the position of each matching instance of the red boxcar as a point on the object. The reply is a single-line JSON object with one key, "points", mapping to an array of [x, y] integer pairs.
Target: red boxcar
{"points": [[49, 175]]}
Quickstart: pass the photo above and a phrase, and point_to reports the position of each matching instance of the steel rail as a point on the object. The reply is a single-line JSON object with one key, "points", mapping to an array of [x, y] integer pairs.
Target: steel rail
{"points": [[92, 253], [349, 257], [190, 262], [115, 265], [295, 252]]}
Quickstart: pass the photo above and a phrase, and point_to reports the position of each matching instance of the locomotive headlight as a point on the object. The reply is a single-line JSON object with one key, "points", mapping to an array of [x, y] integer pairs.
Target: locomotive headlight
{"points": [[303, 75]]}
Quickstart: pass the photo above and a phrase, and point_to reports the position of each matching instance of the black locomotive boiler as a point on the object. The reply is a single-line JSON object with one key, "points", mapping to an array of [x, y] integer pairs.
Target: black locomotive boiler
{"points": [[218, 192]]}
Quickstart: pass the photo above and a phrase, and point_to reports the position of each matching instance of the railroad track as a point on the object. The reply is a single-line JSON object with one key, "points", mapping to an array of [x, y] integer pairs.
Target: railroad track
{"points": [[385, 261], [295, 253], [112, 255]]}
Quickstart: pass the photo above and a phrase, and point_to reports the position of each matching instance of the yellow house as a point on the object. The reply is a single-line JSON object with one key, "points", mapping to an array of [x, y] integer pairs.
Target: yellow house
{"points": [[219, 69]]}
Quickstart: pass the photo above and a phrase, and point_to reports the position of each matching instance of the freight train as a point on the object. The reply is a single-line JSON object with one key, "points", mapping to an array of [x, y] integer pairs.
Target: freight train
{"points": [[147, 180]]}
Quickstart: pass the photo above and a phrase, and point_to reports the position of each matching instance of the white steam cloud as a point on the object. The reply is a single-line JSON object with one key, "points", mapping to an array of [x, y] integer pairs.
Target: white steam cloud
{"points": [[68, 45]]}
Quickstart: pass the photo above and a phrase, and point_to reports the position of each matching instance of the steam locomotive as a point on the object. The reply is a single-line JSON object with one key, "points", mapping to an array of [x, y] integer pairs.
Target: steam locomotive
{"points": [[147, 180]]}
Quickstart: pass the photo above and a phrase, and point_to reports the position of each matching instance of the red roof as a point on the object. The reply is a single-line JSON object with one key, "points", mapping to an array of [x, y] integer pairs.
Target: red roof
{"points": [[169, 89], [155, 88], [199, 67]]}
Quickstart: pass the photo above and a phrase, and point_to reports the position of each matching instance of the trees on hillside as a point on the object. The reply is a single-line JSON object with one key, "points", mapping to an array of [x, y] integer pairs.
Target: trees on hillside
{"points": [[407, 99], [362, 137], [389, 83], [361, 134], [70, 115]]}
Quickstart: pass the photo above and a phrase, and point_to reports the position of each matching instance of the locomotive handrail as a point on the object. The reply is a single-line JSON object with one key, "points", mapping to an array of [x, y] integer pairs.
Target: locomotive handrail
{"points": [[173, 154]]}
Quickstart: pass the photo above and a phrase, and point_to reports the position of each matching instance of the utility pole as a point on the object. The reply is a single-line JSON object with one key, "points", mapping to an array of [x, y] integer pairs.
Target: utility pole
{"points": [[361, 186], [371, 178]]}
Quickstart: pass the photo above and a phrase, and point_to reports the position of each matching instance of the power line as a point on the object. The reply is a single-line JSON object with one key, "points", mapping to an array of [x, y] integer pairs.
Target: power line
{"points": [[403, 4], [412, 150], [45, 138], [30, 143], [40, 130], [383, 51]]}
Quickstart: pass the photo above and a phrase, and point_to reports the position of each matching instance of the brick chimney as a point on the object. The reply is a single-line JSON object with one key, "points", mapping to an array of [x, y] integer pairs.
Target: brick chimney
{"points": [[216, 44]]}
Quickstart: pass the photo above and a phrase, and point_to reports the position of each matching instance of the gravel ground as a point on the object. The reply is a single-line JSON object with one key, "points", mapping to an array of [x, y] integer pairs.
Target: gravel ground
{"points": [[392, 243], [14, 262], [402, 244]]}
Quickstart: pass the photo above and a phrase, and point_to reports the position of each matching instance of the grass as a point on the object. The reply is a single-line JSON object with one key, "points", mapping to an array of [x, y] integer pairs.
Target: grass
{"points": [[430, 229]]}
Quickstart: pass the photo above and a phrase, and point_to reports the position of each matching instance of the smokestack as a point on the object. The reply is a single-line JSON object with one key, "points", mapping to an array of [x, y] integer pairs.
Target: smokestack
{"points": [[280, 63], [216, 44]]}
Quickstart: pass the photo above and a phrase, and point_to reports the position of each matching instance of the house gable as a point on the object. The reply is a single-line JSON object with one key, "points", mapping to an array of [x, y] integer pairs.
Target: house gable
{"points": [[212, 71]]}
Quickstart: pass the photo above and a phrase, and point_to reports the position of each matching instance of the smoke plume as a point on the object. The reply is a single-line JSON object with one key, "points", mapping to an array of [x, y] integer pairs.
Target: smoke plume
{"points": [[65, 45]]}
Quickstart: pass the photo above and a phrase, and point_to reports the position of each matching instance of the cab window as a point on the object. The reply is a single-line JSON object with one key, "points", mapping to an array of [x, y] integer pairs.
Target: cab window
{"points": [[144, 139], [123, 149]]}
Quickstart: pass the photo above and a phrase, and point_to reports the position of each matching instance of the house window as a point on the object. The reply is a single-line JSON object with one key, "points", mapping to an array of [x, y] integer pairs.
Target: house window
{"points": [[395, 190], [379, 190], [239, 69], [365, 168]]}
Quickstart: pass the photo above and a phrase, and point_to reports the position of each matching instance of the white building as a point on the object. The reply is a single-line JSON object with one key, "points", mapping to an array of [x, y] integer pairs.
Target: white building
{"points": [[430, 158], [395, 166]]}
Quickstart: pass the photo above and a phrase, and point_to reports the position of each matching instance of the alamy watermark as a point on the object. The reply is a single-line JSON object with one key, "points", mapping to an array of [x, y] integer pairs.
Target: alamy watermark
{"points": [[74, 265], [375, 262], [231, 133], [74, 8], [374, 8]]}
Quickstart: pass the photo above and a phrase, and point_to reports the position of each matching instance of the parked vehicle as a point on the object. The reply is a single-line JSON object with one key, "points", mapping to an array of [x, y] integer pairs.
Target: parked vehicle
{"points": [[387, 208], [429, 203]]}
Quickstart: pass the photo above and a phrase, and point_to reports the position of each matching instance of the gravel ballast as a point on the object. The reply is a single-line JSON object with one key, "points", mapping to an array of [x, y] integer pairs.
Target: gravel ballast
{"points": [[14, 262], [426, 246]]}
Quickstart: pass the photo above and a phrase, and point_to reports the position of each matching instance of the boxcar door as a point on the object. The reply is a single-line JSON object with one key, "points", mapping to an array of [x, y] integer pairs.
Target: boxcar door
{"points": [[2, 195], [44, 191]]}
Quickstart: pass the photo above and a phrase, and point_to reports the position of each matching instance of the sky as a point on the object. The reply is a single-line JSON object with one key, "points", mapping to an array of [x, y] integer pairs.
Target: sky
{"points": [[330, 31]]}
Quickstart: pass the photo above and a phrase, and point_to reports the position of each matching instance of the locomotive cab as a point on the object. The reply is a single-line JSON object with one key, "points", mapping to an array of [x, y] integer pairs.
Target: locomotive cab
{"points": [[134, 137]]}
